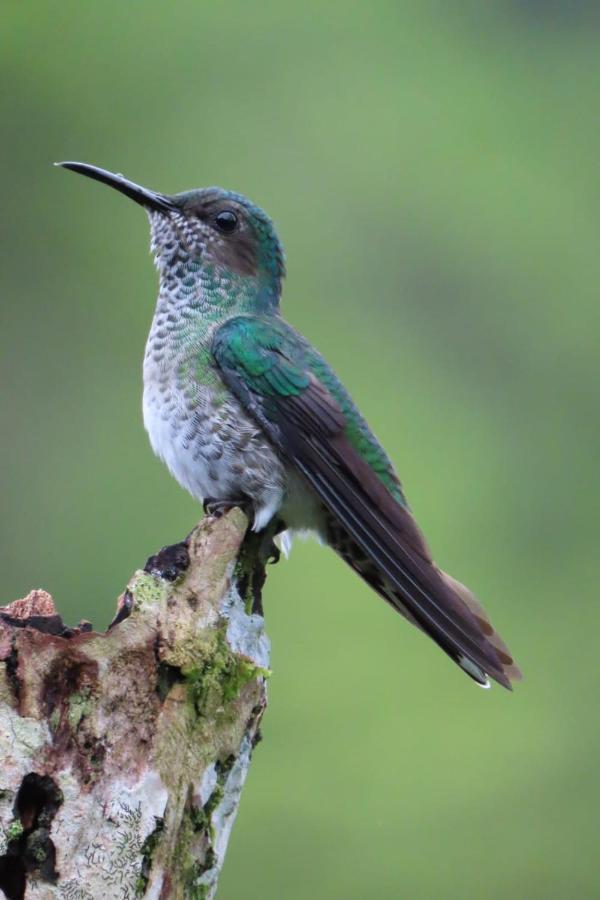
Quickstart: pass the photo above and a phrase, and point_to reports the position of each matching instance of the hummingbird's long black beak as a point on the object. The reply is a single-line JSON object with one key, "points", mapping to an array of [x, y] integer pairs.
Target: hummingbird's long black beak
{"points": [[143, 196]]}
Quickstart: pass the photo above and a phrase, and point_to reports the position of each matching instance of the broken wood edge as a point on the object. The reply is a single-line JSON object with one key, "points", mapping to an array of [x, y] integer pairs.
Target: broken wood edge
{"points": [[123, 754]]}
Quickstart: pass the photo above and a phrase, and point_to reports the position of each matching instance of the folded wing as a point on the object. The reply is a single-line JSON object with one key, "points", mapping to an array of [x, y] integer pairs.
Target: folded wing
{"points": [[269, 367]]}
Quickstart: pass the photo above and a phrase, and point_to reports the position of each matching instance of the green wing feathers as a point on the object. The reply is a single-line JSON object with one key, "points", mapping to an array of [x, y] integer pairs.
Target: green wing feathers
{"points": [[275, 361], [306, 412]]}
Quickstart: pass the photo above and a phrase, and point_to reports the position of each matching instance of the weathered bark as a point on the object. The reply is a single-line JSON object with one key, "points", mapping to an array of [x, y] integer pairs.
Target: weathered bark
{"points": [[123, 754]]}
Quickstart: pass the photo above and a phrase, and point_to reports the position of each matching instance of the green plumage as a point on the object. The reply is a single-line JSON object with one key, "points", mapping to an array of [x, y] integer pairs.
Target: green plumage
{"points": [[243, 409], [273, 360]]}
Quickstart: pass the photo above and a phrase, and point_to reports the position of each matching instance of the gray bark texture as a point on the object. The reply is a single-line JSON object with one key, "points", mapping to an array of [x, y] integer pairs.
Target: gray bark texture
{"points": [[123, 754]]}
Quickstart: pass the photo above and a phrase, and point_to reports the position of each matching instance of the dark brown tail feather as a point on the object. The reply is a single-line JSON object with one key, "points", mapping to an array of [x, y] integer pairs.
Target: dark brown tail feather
{"points": [[511, 669]]}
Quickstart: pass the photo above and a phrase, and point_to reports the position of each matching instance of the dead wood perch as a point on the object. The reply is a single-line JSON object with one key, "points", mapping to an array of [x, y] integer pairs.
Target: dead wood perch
{"points": [[123, 754]]}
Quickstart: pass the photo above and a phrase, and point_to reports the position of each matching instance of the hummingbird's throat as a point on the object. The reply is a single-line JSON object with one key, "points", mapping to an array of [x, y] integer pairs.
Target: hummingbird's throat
{"points": [[172, 240], [190, 276]]}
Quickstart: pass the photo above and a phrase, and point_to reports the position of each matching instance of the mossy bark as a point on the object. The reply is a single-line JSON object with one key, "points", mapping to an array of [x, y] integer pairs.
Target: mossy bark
{"points": [[123, 754]]}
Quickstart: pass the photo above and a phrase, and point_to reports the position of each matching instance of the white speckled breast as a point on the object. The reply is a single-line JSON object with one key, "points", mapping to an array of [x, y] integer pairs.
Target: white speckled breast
{"points": [[210, 445]]}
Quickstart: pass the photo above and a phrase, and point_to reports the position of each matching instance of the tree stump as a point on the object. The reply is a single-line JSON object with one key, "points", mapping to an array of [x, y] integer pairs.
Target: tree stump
{"points": [[123, 754]]}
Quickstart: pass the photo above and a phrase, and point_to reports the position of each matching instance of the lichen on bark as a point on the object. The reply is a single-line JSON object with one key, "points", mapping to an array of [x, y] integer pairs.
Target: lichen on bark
{"points": [[123, 754]]}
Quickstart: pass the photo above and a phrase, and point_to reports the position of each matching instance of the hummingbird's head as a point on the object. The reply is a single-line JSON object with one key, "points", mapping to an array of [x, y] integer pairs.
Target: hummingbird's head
{"points": [[223, 230], [206, 239]]}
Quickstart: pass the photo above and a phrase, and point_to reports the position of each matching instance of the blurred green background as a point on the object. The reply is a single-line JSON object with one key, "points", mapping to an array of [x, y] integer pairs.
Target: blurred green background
{"points": [[433, 170]]}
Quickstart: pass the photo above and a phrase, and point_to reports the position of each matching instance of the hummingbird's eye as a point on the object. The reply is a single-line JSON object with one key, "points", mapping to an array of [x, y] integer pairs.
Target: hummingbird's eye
{"points": [[226, 221]]}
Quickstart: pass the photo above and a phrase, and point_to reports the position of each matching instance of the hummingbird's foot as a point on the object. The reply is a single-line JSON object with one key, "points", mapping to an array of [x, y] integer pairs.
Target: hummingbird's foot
{"points": [[270, 553], [262, 546], [218, 508]]}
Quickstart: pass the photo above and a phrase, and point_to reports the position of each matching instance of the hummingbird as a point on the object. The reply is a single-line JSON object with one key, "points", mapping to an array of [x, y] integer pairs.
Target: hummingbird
{"points": [[245, 412]]}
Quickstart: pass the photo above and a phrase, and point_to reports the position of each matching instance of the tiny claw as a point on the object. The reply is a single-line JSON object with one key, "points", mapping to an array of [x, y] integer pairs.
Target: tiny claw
{"points": [[269, 552], [274, 555]]}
